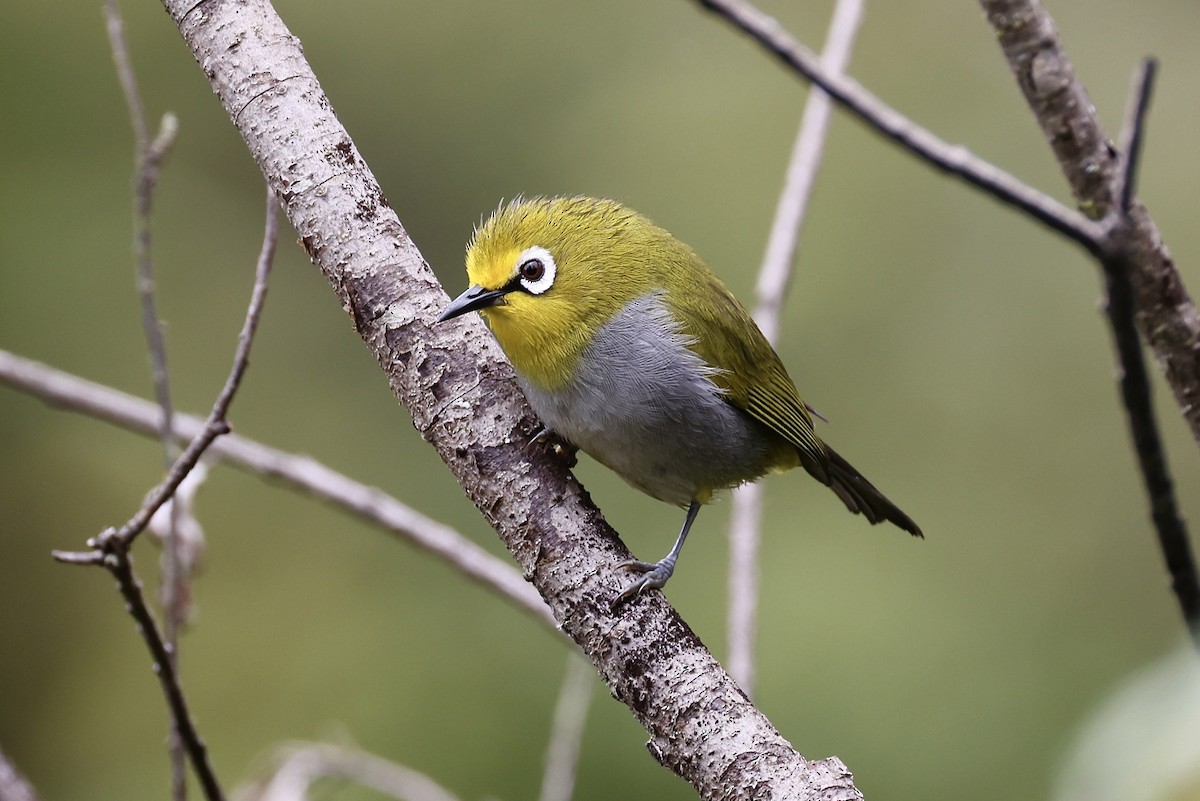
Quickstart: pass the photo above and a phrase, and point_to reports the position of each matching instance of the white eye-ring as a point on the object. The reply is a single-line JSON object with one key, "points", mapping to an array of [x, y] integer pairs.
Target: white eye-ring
{"points": [[536, 269]]}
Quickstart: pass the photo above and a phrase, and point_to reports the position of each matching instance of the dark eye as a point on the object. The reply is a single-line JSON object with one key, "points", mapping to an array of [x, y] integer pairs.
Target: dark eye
{"points": [[532, 269], [535, 270]]}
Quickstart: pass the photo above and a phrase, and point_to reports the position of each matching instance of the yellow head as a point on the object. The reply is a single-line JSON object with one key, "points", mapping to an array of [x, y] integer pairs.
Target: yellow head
{"points": [[547, 273]]}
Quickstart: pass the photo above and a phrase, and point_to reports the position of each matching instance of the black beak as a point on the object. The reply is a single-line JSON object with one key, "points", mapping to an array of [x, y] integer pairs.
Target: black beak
{"points": [[476, 297]]}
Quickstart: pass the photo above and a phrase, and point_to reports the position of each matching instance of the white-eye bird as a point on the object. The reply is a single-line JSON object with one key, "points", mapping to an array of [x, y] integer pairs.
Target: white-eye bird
{"points": [[631, 349]]}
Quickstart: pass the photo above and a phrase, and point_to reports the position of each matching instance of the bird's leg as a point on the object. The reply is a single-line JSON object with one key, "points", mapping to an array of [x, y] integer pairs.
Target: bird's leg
{"points": [[564, 451], [655, 574]]}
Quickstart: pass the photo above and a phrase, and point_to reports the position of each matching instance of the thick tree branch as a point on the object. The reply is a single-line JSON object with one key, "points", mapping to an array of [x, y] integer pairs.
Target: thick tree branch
{"points": [[460, 392]]}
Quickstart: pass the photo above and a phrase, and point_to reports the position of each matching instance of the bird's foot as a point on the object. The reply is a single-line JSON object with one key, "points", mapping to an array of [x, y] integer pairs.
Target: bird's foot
{"points": [[654, 576], [559, 447]]}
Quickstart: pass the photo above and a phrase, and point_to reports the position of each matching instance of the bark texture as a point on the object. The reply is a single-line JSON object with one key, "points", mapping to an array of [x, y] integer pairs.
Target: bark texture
{"points": [[459, 389]]}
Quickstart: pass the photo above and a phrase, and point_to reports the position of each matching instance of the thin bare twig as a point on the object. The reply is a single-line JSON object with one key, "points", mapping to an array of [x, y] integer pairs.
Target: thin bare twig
{"points": [[774, 277], [181, 509], [954, 160], [745, 538], [147, 159], [123, 537], [775, 273], [1133, 134], [124, 65], [1134, 381], [111, 547], [216, 424], [302, 764], [566, 734], [301, 473]]}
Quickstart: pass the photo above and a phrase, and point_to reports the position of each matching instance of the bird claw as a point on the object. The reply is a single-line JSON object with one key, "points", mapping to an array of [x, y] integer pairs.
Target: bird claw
{"points": [[558, 447], [654, 577]]}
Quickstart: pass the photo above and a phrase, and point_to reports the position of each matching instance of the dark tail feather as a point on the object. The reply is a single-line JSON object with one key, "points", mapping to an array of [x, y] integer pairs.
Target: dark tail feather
{"points": [[860, 495]]}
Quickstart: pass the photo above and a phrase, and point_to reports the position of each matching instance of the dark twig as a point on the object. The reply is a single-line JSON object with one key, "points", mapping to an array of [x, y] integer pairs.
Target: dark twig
{"points": [[1132, 133], [113, 538], [1134, 379], [951, 159], [262, 271], [119, 564], [1143, 426], [147, 159]]}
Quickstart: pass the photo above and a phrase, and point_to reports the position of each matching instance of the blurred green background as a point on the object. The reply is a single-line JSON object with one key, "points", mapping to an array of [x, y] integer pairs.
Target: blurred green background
{"points": [[955, 346]]}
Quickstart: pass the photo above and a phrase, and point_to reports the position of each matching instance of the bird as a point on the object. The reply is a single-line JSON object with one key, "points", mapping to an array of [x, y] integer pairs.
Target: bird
{"points": [[629, 348]]}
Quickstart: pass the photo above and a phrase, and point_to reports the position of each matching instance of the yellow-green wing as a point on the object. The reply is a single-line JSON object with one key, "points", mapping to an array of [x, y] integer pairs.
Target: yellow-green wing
{"points": [[752, 376]]}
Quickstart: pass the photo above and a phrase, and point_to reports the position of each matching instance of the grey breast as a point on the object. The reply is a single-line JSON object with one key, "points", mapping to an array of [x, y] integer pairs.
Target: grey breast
{"points": [[644, 404]]}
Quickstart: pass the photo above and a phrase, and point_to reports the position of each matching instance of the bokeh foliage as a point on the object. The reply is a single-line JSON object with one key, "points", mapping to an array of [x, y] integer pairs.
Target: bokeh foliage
{"points": [[955, 346]]}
